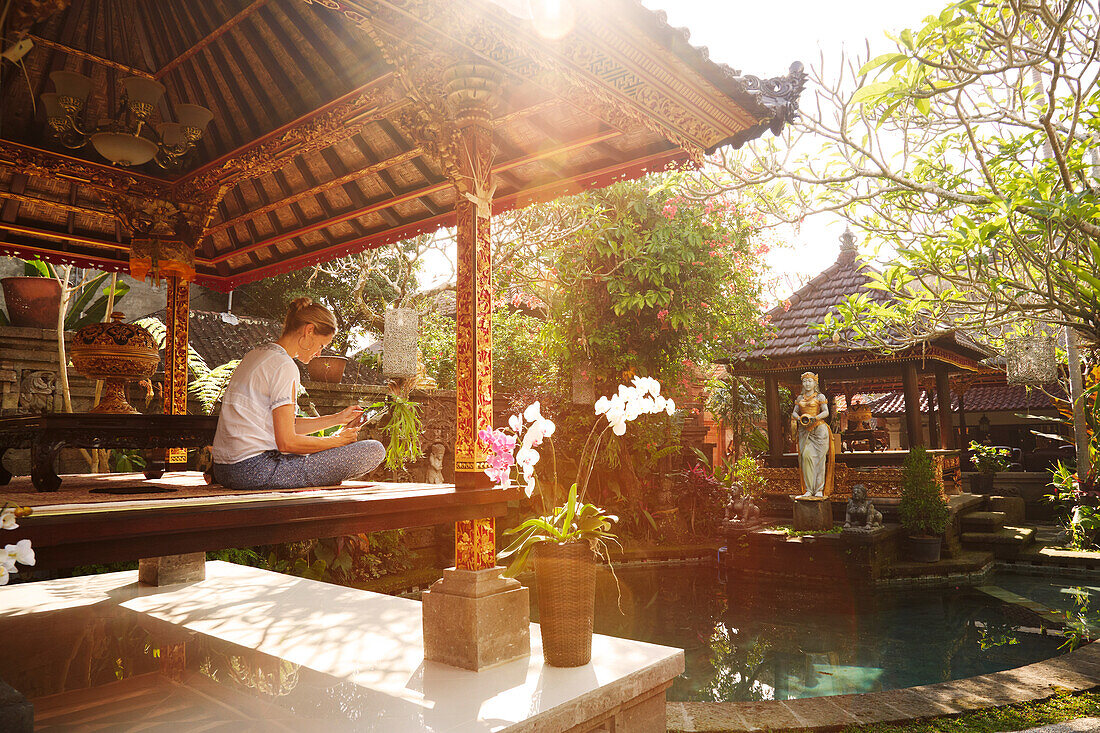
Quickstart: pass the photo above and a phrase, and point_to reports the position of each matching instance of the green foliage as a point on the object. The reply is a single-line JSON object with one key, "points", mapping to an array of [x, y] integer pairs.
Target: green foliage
{"points": [[436, 340], [347, 560], [525, 350], [525, 353], [206, 385], [790, 531], [988, 458], [403, 429], [653, 282], [331, 285], [126, 461], [1077, 510], [574, 521], [992, 217], [745, 474], [923, 507]]}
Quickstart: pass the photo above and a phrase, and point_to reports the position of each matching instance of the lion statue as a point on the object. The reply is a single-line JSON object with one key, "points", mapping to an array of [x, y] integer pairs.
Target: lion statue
{"points": [[740, 510], [861, 513]]}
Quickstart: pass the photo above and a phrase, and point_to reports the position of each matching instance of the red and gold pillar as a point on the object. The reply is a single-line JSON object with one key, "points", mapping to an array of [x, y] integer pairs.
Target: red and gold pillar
{"points": [[471, 90], [175, 355]]}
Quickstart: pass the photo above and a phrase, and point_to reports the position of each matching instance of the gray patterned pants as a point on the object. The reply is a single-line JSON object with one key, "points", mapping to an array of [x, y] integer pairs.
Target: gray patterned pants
{"points": [[275, 470]]}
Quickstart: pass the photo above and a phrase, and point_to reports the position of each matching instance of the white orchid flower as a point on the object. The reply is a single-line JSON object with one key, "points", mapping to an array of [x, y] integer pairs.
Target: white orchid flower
{"points": [[529, 485], [7, 519], [515, 422], [4, 574], [527, 456], [658, 404], [546, 427], [20, 552], [647, 405], [602, 405], [619, 428], [532, 413], [670, 407]]}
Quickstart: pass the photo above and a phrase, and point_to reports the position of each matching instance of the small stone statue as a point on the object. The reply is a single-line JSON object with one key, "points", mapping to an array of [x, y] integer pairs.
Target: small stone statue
{"points": [[861, 513], [741, 513], [434, 472], [36, 391]]}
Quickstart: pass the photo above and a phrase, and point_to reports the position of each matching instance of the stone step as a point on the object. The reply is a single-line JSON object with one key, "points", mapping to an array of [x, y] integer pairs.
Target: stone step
{"points": [[1004, 543], [984, 521], [967, 561]]}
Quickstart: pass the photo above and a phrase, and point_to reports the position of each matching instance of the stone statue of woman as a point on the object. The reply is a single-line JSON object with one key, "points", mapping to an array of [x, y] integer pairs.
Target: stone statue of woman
{"points": [[811, 409]]}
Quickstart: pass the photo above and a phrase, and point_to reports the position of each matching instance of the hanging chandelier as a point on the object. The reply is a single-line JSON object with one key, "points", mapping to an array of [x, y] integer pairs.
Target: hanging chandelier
{"points": [[129, 138]]}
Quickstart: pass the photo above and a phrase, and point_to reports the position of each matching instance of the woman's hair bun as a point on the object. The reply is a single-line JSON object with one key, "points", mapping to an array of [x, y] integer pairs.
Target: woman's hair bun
{"points": [[299, 303]]}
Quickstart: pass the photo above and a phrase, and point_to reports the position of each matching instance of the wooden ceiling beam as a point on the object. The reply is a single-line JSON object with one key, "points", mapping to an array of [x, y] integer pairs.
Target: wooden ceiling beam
{"points": [[89, 57], [519, 198], [9, 212], [210, 38]]}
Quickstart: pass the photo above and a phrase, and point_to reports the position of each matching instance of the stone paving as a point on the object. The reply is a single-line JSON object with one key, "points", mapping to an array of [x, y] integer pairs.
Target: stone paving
{"points": [[1074, 672]]}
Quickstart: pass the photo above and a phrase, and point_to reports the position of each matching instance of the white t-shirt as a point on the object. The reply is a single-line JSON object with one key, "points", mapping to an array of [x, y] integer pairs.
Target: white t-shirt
{"points": [[265, 379]]}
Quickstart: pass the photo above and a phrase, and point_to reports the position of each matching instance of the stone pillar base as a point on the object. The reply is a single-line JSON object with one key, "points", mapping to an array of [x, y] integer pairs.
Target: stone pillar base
{"points": [[16, 714], [476, 619], [172, 569], [812, 514]]}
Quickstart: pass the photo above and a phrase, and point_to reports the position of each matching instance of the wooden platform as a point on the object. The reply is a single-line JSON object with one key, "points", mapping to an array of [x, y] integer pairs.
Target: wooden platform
{"points": [[77, 527]]}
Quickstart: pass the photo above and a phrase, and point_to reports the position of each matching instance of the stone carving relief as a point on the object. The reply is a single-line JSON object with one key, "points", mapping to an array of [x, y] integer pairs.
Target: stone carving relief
{"points": [[36, 391]]}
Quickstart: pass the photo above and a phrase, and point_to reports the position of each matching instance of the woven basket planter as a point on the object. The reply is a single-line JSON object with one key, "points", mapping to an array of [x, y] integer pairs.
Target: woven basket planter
{"points": [[565, 575]]}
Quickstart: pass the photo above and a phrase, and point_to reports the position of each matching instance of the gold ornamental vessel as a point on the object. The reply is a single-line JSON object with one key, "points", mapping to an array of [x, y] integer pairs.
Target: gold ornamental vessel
{"points": [[117, 353]]}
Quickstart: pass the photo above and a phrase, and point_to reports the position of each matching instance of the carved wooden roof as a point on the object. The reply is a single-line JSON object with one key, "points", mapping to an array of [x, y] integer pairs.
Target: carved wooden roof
{"points": [[314, 151]]}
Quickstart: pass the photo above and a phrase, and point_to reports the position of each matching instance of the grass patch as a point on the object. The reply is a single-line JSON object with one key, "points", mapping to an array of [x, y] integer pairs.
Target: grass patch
{"points": [[1011, 718]]}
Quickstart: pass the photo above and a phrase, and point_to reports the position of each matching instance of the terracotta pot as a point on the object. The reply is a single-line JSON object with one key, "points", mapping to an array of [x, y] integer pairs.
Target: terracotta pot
{"points": [[33, 302], [327, 368], [982, 483], [565, 578], [925, 549]]}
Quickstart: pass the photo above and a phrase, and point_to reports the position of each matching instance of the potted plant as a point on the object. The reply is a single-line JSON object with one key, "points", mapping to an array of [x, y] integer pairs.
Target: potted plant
{"points": [[988, 460], [566, 540], [327, 368], [34, 299], [923, 507]]}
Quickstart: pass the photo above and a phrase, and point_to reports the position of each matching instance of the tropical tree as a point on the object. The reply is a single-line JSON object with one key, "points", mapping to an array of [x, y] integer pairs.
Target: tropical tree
{"points": [[969, 153]]}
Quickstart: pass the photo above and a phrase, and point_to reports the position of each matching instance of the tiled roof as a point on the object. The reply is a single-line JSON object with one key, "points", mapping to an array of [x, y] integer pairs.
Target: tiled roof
{"points": [[996, 398], [792, 318]]}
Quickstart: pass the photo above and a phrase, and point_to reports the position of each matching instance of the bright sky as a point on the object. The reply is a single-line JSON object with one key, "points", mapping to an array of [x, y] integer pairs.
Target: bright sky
{"points": [[763, 38]]}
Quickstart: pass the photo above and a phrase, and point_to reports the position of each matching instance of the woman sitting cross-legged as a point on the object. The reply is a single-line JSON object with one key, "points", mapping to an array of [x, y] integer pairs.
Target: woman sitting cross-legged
{"points": [[260, 443]]}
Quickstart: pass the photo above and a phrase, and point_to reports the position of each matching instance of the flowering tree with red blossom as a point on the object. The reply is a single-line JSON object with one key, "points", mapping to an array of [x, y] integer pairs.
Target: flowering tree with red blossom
{"points": [[654, 283]]}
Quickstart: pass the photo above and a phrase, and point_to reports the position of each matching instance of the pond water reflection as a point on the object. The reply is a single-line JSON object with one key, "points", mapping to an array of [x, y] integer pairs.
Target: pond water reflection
{"points": [[748, 641]]}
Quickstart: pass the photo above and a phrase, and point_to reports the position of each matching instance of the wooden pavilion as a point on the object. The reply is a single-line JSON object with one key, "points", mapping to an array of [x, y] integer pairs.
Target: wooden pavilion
{"points": [[337, 125], [847, 369]]}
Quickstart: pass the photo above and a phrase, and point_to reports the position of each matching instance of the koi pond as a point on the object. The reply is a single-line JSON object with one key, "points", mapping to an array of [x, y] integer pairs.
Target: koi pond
{"points": [[765, 642]]}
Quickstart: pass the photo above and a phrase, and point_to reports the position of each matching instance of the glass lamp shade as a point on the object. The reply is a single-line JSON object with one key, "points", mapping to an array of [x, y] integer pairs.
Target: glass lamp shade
{"points": [[52, 101], [193, 115], [399, 343], [71, 84], [171, 134], [124, 149], [1031, 360], [141, 89]]}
